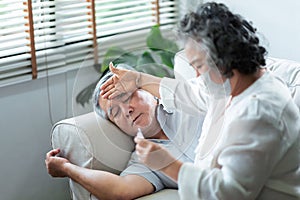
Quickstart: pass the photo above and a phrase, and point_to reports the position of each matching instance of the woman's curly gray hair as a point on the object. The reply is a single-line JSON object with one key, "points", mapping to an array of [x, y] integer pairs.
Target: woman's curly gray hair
{"points": [[231, 41]]}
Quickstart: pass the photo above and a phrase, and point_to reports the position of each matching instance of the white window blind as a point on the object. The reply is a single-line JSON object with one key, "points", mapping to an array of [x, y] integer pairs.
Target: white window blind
{"points": [[42, 37], [15, 45], [126, 23]]}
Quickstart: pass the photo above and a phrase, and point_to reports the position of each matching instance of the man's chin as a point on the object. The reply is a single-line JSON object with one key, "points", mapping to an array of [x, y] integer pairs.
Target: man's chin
{"points": [[141, 123]]}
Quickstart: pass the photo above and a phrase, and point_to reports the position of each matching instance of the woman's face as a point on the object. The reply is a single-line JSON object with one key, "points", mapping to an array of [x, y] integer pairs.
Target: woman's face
{"points": [[197, 56]]}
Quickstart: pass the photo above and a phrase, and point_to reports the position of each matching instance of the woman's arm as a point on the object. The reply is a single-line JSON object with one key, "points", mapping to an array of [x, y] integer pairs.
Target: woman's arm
{"points": [[126, 81], [188, 96]]}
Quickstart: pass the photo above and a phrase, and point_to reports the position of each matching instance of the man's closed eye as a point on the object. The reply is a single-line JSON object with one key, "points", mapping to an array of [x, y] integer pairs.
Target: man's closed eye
{"points": [[115, 111]]}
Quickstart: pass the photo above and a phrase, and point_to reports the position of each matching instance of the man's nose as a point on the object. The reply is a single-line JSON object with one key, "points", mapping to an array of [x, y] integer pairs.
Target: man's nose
{"points": [[127, 109], [130, 111]]}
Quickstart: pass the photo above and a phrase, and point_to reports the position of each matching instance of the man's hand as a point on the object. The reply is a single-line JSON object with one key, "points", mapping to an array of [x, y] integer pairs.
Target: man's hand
{"points": [[55, 165]]}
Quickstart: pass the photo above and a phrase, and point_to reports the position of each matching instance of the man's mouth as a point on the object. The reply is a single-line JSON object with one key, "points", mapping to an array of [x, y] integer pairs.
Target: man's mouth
{"points": [[136, 118]]}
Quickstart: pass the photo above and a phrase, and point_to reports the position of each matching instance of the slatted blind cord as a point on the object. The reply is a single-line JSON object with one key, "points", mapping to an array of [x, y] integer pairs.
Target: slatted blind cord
{"points": [[52, 121]]}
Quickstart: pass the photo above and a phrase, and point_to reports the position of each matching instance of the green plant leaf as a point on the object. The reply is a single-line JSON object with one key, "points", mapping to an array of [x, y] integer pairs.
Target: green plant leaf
{"points": [[85, 95], [167, 58], [145, 58], [156, 42], [149, 65], [118, 55], [165, 48], [156, 69]]}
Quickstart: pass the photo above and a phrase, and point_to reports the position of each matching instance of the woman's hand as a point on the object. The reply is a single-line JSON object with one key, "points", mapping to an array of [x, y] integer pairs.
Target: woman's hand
{"points": [[55, 165], [153, 155], [123, 81], [157, 158]]}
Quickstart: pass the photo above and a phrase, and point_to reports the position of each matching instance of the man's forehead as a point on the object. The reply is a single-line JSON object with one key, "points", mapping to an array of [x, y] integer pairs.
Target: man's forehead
{"points": [[106, 104]]}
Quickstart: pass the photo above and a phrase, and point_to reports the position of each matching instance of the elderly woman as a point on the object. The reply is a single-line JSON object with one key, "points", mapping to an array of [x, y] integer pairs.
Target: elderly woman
{"points": [[249, 146]]}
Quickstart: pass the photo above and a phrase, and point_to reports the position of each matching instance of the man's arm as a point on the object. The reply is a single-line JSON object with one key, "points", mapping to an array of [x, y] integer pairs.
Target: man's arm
{"points": [[102, 184]]}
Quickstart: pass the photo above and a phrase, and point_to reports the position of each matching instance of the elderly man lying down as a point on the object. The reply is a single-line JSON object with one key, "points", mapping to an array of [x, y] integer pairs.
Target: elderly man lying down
{"points": [[175, 131]]}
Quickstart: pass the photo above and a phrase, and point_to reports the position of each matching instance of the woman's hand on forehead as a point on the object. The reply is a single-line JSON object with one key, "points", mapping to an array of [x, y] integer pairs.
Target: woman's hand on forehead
{"points": [[122, 81]]}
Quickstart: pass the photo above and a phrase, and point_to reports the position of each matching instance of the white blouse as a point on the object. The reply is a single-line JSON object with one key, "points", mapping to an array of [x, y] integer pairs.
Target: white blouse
{"points": [[248, 149]]}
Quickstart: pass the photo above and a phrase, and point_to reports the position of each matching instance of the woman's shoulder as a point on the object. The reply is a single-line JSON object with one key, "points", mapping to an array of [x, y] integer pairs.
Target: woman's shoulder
{"points": [[268, 100]]}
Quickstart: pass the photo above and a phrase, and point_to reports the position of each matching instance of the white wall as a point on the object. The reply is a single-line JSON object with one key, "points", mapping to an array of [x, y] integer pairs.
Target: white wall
{"points": [[277, 20]]}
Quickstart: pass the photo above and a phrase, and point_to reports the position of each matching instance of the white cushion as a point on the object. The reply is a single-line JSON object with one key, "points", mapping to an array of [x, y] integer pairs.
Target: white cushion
{"points": [[289, 72], [91, 142]]}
